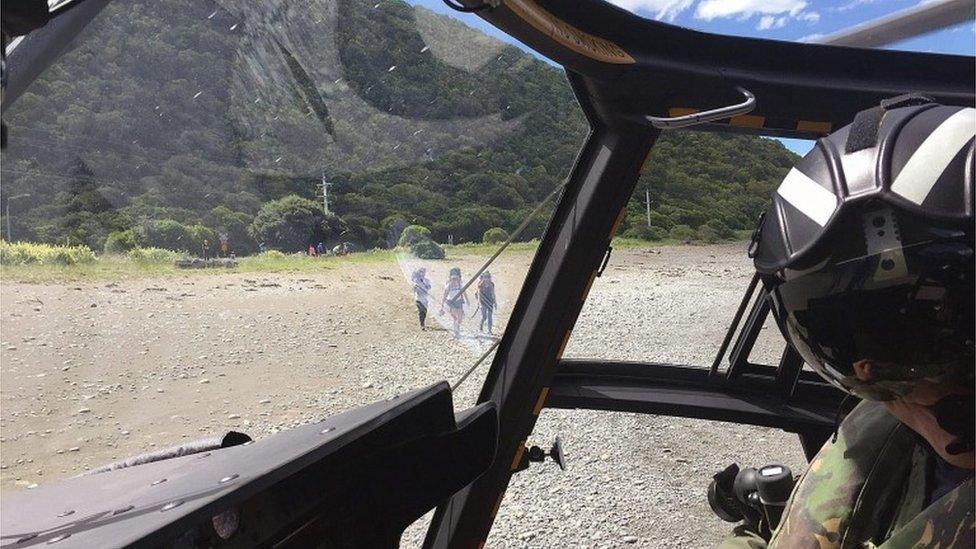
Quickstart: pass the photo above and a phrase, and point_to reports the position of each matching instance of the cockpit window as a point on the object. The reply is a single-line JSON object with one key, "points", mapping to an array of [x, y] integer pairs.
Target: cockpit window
{"points": [[248, 216]]}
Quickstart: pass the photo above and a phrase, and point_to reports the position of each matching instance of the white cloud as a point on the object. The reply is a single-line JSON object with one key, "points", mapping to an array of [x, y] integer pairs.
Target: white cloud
{"points": [[662, 10], [809, 16], [767, 22], [812, 37], [773, 14], [744, 9], [854, 4]]}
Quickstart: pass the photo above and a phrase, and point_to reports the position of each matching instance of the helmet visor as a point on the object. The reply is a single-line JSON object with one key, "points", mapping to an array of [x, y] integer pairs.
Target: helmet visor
{"points": [[876, 324]]}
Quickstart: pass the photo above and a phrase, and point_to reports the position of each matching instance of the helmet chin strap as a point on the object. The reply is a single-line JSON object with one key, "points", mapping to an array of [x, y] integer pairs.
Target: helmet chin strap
{"points": [[954, 413]]}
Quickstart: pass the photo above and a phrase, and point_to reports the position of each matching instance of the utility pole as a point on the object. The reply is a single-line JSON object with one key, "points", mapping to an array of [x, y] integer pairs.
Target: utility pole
{"points": [[9, 198], [647, 201], [325, 193]]}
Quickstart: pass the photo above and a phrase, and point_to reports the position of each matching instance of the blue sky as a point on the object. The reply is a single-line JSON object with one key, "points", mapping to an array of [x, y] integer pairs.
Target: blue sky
{"points": [[776, 19]]}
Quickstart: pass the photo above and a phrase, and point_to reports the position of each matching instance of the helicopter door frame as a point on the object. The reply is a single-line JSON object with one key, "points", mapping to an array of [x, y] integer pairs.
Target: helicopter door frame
{"points": [[623, 69]]}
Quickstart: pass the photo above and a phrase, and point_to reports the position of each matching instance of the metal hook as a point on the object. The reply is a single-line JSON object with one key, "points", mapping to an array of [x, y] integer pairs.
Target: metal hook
{"points": [[694, 119]]}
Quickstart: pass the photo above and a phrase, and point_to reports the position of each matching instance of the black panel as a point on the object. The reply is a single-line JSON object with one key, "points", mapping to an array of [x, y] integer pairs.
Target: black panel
{"points": [[320, 483], [684, 391]]}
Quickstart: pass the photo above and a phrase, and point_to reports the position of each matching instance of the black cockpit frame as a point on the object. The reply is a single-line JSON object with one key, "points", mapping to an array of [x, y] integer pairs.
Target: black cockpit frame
{"points": [[623, 68]]}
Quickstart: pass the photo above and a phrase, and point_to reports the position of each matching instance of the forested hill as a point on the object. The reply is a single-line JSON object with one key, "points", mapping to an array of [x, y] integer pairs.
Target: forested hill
{"points": [[170, 121]]}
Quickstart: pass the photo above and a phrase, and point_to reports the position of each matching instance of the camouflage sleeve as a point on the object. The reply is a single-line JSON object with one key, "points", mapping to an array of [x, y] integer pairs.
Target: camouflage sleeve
{"points": [[946, 523], [743, 537]]}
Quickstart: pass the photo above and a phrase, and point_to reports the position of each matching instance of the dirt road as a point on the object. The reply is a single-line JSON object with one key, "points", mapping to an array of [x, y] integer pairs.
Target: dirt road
{"points": [[96, 372]]}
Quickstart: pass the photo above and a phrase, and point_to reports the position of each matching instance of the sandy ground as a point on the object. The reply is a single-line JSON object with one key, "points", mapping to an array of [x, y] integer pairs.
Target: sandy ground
{"points": [[92, 373]]}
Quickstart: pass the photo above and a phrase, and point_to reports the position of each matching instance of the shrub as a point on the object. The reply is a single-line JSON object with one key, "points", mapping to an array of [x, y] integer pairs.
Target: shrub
{"points": [[120, 242], [234, 225], [413, 234], [707, 234], [427, 249], [169, 234], [494, 235], [152, 256], [272, 254], [28, 253], [643, 232], [199, 233], [722, 230], [682, 232], [660, 220]]}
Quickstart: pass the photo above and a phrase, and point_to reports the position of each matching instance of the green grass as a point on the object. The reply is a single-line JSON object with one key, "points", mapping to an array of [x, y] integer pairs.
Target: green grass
{"points": [[110, 268], [106, 268], [120, 267]]}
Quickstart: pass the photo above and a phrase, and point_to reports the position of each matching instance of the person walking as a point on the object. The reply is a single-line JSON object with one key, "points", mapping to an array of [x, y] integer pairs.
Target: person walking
{"points": [[421, 290], [486, 300], [455, 299]]}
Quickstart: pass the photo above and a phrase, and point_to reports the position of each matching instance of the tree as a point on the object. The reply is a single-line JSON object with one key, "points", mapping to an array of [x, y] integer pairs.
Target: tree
{"points": [[707, 234], [494, 235], [199, 233], [362, 230], [181, 137], [121, 242], [643, 232], [290, 224], [722, 231], [169, 234], [683, 233], [235, 226]]}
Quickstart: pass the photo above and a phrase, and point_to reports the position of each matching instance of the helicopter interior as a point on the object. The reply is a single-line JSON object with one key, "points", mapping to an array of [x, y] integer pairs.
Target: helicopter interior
{"points": [[634, 79]]}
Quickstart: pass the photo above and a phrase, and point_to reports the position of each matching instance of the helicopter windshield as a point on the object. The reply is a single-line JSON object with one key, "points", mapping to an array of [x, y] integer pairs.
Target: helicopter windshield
{"points": [[230, 216]]}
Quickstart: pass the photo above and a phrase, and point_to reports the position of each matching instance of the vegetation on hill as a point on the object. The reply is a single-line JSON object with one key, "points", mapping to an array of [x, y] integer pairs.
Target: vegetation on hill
{"points": [[174, 121]]}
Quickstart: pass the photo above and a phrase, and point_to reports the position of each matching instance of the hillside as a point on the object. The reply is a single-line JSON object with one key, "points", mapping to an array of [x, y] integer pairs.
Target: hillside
{"points": [[181, 119]]}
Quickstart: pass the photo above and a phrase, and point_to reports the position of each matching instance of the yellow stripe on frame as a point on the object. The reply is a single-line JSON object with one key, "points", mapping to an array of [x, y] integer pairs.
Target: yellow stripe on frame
{"points": [[498, 505], [518, 456], [559, 354], [748, 121], [809, 126], [541, 402]]}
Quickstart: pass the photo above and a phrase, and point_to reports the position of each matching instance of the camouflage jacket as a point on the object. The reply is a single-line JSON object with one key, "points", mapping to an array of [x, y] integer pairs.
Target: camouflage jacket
{"points": [[867, 490]]}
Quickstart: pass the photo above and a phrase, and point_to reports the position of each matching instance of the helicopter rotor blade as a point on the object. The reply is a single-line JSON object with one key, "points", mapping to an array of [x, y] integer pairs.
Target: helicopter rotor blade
{"points": [[901, 25]]}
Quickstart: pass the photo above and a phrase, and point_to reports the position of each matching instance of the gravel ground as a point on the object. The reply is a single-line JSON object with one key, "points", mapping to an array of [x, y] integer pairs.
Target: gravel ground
{"points": [[95, 372]]}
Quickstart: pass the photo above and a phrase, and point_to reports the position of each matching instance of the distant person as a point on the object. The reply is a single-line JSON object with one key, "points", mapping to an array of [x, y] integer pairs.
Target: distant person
{"points": [[486, 300], [206, 249], [455, 299], [311, 250], [421, 290], [320, 248], [224, 248]]}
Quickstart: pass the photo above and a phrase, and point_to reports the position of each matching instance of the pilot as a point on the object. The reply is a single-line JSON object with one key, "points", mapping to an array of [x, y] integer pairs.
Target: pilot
{"points": [[867, 254]]}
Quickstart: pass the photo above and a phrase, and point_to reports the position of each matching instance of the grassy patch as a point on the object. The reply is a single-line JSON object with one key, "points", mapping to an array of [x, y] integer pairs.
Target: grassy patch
{"points": [[153, 263]]}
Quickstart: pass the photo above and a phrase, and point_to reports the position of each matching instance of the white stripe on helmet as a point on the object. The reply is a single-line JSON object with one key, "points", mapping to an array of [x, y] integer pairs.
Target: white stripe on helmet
{"points": [[926, 165], [808, 196]]}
